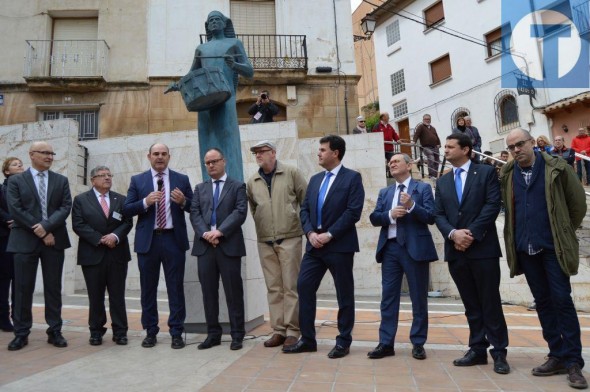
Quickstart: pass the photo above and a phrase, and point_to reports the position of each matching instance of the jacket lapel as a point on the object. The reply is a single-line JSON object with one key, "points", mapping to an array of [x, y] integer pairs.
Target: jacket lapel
{"points": [[28, 176], [337, 181], [471, 178], [94, 203], [224, 190]]}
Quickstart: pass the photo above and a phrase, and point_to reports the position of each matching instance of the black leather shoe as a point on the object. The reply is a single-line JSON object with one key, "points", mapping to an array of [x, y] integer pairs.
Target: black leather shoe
{"points": [[95, 339], [501, 365], [149, 341], [549, 368], [418, 352], [338, 352], [177, 342], [57, 339], [209, 342], [381, 351], [121, 340], [300, 347], [236, 344], [471, 358], [18, 343]]}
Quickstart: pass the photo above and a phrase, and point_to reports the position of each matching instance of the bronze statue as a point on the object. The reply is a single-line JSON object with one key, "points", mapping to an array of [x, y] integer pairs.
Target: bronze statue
{"points": [[210, 89]]}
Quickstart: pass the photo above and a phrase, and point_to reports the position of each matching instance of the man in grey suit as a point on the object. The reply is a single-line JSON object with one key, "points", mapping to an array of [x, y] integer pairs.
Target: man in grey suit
{"points": [[218, 210], [39, 201], [103, 253]]}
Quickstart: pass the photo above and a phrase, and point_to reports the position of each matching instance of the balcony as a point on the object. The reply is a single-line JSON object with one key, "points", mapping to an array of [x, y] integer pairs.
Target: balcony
{"points": [[582, 17], [274, 52], [55, 65]]}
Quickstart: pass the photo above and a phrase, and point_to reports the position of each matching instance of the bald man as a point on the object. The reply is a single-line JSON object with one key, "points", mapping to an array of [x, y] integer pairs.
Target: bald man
{"points": [[39, 201]]}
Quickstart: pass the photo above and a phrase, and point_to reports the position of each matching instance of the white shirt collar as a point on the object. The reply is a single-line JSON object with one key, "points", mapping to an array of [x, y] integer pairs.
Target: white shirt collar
{"points": [[335, 170], [155, 173]]}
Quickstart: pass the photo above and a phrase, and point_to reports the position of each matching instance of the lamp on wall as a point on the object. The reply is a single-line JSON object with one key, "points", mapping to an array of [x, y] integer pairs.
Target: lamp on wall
{"points": [[368, 24], [564, 128]]}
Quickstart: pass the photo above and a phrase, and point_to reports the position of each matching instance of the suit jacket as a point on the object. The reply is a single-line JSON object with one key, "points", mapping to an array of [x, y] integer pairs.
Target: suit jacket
{"points": [[4, 215], [479, 208], [231, 213], [25, 207], [90, 223], [341, 210], [142, 185], [412, 229]]}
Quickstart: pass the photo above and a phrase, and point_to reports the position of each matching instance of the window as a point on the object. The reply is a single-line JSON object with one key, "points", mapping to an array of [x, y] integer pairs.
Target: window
{"points": [[392, 32], [440, 69], [497, 40], [434, 14], [397, 82], [400, 109], [506, 111], [75, 49], [555, 17], [253, 17], [87, 120]]}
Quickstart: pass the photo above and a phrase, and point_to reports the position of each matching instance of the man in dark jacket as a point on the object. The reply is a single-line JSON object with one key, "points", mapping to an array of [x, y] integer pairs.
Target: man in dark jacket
{"points": [[263, 110]]}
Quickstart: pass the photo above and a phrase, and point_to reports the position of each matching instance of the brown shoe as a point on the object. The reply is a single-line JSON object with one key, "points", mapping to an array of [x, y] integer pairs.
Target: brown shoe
{"points": [[290, 341], [274, 341], [549, 368], [575, 378]]}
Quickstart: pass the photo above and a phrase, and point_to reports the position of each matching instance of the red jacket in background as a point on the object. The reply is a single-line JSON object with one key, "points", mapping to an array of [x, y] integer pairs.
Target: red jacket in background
{"points": [[389, 134], [581, 143]]}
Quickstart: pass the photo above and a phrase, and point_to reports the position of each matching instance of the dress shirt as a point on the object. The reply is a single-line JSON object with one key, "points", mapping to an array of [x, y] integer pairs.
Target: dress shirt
{"points": [[34, 172], [108, 200], [392, 232], [222, 181], [465, 168], [334, 172], [166, 179]]}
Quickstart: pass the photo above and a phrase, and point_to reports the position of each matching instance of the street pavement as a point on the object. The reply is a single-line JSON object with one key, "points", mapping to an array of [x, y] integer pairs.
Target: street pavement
{"points": [[81, 367]]}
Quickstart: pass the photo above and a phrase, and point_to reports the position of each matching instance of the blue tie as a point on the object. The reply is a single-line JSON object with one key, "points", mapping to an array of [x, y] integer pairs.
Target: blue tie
{"points": [[322, 196], [215, 201], [458, 184], [400, 188]]}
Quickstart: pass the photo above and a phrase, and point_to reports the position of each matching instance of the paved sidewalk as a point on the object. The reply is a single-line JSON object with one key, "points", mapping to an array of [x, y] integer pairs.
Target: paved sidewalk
{"points": [[81, 367]]}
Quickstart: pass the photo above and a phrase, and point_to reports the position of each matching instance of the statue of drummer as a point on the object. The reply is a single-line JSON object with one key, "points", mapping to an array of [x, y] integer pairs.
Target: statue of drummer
{"points": [[224, 55]]}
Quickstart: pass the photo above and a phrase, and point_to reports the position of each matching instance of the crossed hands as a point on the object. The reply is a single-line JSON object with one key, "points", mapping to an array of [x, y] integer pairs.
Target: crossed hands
{"points": [[318, 240], [109, 240], [48, 238], [463, 239], [212, 237]]}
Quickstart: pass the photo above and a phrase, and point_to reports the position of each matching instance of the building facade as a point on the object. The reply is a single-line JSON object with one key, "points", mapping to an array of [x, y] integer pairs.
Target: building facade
{"points": [[443, 58], [106, 63]]}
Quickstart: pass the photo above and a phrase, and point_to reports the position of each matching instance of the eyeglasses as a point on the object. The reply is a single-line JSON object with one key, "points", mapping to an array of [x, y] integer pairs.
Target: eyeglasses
{"points": [[46, 153], [260, 152], [213, 162], [104, 176], [361, 120], [518, 145]]}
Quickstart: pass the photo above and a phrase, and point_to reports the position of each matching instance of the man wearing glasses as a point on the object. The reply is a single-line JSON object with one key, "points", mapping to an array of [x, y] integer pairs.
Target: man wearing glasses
{"points": [[103, 253], [275, 194], [548, 258], [218, 210], [39, 201], [430, 142], [160, 197], [360, 125]]}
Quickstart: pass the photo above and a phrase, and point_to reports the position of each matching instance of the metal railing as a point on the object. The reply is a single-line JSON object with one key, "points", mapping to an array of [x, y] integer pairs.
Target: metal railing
{"points": [[60, 58], [273, 51]]}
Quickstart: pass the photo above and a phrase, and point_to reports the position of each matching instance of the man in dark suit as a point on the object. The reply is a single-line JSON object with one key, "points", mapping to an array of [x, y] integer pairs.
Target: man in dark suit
{"points": [[39, 201], [467, 204], [403, 211], [103, 253], [333, 204], [159, 197], [218, 211]]}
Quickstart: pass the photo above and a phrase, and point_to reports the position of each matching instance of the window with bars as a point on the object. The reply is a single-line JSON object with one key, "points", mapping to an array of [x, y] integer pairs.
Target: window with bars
{"points": [[506, 111], [434, 14], [440, 69], [87, 120], [400, 109], [392, 32], [398, 83]]}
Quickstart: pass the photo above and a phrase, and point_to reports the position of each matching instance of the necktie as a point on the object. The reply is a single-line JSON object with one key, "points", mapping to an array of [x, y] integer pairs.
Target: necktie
{"points": [[458, 184], [215, 202], [322, 196], [104, 205], [400, 188], [161, 211], [42, 194]]}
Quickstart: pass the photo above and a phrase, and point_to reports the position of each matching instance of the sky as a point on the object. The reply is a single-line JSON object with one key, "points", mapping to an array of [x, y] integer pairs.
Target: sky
{"points": [[354, 4]]}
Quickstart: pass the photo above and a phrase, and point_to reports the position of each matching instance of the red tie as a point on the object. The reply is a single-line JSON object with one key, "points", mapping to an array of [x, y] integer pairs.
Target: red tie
{"points": [[104, 205], [161, 215]]}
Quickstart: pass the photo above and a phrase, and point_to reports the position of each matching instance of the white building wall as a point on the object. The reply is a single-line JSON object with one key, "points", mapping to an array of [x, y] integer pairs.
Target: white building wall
{"points": [[174, 27]]}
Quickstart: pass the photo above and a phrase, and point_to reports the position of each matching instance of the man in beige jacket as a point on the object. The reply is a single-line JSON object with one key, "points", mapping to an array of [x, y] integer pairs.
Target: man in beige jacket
{"points": [[275, 194]]}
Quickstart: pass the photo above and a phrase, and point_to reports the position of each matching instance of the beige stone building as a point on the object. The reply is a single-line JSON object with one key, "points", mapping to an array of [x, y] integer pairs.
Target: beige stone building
{"points": [[106, 63], [364, 56]]}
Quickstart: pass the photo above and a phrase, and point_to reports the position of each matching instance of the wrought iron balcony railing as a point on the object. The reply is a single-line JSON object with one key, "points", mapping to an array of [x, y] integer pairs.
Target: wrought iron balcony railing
{"points": [[274, 51], [582, 16], [66, 59]]}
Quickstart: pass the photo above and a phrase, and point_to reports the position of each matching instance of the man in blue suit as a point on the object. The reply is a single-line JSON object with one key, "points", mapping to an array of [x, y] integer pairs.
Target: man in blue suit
{"points": [[467, 204], [159, 197], [404, 210], [333, 204]]}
